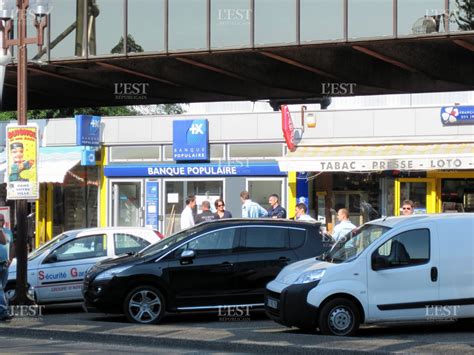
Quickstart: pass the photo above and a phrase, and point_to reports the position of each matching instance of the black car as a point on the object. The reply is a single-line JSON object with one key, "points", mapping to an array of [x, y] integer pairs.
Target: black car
{"points": [[214, 264]]}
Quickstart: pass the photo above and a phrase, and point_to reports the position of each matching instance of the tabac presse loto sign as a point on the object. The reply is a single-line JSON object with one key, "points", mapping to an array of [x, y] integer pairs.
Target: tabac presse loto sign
{"points": [[190, 140]]}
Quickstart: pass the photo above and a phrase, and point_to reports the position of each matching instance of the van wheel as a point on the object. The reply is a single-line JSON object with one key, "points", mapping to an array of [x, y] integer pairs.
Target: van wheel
{"points": [[145, 305], [340, 317]]}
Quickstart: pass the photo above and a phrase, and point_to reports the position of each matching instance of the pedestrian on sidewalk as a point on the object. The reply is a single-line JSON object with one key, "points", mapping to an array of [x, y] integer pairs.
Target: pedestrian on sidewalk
{"points": [[300, 213], [344, 226], [206, 214], [251, 209], [275, 210], [221, 211], [6, 238], [187, 216]]}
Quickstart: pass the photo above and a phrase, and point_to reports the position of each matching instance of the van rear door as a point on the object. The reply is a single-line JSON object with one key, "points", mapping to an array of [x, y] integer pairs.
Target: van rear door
{"points": [[403, 274], [456, 267]]}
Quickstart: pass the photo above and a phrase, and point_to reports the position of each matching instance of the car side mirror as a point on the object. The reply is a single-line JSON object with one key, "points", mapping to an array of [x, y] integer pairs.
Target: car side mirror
{"points": [[51, 258], [187, 256], [379, 262]]}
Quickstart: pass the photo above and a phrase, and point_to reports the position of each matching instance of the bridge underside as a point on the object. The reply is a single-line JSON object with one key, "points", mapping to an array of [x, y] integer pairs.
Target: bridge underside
{"points": [[414, 65]]}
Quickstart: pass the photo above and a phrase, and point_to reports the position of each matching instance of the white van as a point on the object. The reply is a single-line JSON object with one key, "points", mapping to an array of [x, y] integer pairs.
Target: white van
{"points": [[419, 267]]}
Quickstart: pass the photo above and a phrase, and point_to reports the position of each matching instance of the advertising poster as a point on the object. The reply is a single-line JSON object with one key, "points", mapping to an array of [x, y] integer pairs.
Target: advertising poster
{"points": [[22, 162]]}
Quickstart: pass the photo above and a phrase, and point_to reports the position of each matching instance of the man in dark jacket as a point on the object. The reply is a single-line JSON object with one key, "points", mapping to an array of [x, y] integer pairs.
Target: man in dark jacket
{"points": [[206, 214], [275, 211]]}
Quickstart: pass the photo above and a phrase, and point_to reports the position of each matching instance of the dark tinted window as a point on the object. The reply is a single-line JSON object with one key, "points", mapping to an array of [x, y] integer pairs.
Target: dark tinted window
{"points": [[266, 238], [297, 237], [406, 249], [216, 242]]}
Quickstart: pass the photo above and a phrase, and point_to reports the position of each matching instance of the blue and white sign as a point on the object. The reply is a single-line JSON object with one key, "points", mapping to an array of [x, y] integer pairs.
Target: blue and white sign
{"points": [[152, 203], [87, 130], [198, 170], [190, 140], [456, 115], [88, 156]]}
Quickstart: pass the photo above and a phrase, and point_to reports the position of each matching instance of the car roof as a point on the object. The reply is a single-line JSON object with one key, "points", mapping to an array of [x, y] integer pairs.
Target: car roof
{"points": [[250, 221], [392, 222], [75, 232]]}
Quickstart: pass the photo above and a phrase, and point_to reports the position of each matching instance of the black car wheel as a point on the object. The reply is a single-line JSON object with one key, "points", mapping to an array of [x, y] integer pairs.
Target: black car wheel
{"points": [[339, 317], [145, 305]]}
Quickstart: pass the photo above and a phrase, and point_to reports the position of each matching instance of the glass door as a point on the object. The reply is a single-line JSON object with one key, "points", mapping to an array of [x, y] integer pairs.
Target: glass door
{"points": [[422, 191], [127, 208]]}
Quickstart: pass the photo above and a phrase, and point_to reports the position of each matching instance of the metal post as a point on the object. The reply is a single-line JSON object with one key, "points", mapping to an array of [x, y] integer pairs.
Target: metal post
{"points": [[21, 245]]}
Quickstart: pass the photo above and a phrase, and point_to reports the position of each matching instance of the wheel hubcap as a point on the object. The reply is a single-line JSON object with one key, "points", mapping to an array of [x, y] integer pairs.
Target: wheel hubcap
{"points": [[340, 320], [144, 306]]}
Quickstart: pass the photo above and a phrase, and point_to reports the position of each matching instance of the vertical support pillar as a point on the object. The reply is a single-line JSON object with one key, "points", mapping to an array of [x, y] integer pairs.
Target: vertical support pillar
{"points": [[49, 212], [291, 194], [102, 210]]}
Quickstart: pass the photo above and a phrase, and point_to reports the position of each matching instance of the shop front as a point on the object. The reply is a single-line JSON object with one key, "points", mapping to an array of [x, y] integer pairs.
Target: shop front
{"points": [[373, 180], [154, 195]]}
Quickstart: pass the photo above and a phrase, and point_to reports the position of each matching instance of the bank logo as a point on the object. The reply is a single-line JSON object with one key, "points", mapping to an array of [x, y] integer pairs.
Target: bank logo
{"points": [[196, 128]]}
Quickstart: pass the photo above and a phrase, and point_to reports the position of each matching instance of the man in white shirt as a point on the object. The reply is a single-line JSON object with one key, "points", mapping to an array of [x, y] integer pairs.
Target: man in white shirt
{"points": [[187, 216], [300, 213], [345, 225]]}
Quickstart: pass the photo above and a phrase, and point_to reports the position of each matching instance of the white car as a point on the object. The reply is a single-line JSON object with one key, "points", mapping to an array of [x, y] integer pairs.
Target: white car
{"points": [[56, 269]]}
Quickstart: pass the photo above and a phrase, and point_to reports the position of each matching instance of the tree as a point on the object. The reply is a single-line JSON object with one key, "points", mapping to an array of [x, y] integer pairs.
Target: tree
{"points": [[132, 46], [70, 112], [464, 15]]}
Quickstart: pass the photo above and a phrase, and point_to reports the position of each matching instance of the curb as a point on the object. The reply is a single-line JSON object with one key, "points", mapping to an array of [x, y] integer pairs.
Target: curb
{"points": [[194, 344]]}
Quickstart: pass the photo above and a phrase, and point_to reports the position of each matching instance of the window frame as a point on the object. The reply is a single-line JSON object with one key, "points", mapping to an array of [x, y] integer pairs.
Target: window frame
{"points": [[103, 235], [398, 266], [140, 240]]}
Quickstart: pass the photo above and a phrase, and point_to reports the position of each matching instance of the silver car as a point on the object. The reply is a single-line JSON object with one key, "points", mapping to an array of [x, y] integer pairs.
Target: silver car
{"points": [[56, 269]]}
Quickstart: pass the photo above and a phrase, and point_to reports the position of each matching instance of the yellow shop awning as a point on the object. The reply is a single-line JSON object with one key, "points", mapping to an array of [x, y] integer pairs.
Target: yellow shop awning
{"points": [[403, 157]]}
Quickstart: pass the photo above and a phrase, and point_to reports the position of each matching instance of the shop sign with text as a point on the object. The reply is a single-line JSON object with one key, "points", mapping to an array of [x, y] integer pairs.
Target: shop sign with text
{"points": [[457, 115]]}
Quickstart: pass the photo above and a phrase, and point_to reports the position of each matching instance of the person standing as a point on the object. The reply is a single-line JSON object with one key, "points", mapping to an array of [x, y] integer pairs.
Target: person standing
{"points": [[187, 216], [206, 214], [6, 238], [345, 225], [275, 211], [221, 211], [408, 208], [300, 213], [251, 209]]}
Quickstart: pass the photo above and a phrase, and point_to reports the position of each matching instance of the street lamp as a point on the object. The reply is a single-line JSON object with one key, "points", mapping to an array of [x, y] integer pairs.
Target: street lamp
{"points": [[9, 9]]}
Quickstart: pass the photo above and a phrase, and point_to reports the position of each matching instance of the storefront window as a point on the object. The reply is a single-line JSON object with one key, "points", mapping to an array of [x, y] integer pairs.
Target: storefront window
{"points": [[176, 193], [457, 195], [261, 189], [416, 192], [75, 201]]}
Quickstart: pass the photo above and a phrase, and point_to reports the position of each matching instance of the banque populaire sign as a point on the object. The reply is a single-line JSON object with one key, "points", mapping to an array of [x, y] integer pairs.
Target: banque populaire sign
{"points": [[190, 140]]}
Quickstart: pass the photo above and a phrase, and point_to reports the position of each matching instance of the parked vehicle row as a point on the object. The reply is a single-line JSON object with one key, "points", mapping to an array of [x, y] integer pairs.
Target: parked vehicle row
{"points": [[212, 265], [56, 269], [394, 269]]}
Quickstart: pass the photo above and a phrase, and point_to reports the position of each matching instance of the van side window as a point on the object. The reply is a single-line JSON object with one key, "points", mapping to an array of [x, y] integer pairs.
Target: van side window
{"points": [[406, 249]]}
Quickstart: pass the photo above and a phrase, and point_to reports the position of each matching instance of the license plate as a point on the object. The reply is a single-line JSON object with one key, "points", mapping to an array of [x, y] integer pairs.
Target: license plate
{"points": [[272, 303]]}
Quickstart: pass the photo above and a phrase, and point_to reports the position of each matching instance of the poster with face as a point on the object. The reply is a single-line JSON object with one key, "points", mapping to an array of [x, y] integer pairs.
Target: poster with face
{"points": [[22, 162]]}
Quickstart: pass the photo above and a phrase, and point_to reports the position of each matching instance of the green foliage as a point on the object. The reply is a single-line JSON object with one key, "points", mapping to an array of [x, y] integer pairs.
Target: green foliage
{"points": [[167, 109], [464, 15], [132, 46]]}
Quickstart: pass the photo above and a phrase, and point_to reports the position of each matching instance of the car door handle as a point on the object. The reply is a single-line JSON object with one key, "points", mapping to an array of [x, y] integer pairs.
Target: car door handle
{"points": [[284, 259], [434, 274], [227, 264]]}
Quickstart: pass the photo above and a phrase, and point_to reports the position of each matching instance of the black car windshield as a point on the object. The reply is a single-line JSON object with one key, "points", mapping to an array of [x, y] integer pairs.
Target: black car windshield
{"points": [[355, 242], [169, 241], [52, 243]]}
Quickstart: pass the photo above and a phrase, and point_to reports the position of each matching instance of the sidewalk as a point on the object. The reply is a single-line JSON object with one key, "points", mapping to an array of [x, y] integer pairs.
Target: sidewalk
{"points": [[258, 335]]}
